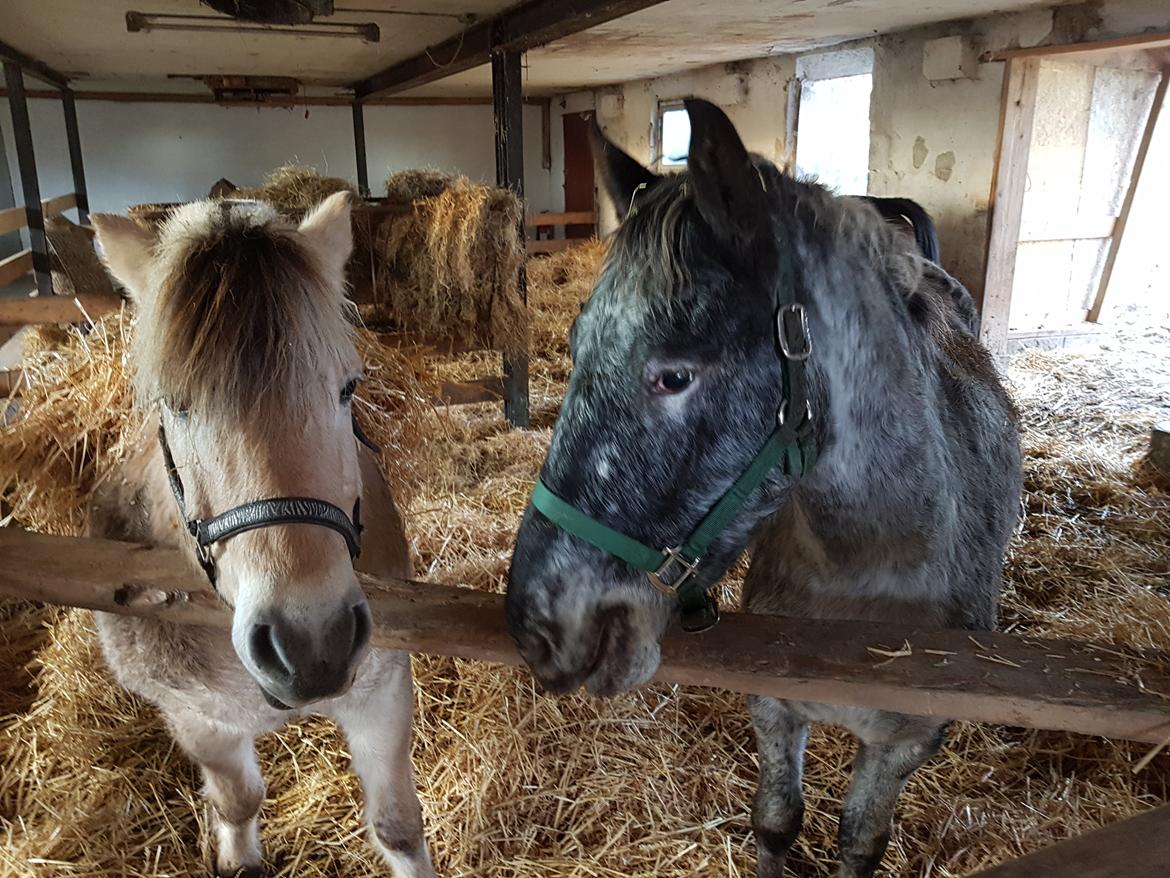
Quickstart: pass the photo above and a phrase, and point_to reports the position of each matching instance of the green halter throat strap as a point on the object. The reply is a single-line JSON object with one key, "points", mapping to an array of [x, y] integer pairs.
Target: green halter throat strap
{"points": [[675, 572]]}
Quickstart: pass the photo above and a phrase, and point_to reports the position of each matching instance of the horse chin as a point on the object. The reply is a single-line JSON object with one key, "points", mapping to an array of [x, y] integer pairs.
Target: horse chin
{"points": [[622, 666], [272, 700]]}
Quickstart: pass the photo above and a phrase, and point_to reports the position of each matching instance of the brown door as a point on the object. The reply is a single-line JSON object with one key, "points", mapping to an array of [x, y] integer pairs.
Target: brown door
{"points": [[578, 170]]}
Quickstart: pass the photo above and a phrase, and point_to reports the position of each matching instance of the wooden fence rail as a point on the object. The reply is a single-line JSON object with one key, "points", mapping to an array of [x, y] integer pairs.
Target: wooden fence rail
{"points": [[1047, 684]]}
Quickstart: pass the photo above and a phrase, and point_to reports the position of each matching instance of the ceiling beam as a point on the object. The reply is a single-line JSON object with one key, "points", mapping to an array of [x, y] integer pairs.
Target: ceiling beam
{"points": [[32, 66], [153, 97], [519, 29]]}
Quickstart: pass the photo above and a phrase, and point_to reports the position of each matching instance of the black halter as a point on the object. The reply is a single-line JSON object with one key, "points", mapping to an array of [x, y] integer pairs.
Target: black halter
{"points": [[262, 513]]}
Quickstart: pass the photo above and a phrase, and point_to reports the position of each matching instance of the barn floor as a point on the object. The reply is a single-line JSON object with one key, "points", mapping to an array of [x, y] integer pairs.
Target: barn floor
{"points": [[653, 783]]}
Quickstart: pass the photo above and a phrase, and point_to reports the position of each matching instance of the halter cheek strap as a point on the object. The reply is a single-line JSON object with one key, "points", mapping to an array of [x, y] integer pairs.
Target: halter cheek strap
{"points": [[270, 512], [792, 446]]}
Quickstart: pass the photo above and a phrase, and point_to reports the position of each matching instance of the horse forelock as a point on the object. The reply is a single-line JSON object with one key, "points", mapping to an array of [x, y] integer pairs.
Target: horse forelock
{"points": [[241, 320]]}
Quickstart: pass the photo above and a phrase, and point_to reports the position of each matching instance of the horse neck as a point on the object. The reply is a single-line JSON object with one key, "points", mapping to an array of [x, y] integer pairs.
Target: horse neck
{"points": [[867, 386]]}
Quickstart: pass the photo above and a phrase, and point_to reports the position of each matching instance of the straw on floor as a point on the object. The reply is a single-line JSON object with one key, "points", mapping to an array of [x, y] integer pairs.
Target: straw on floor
{"points": [[515, 783]]}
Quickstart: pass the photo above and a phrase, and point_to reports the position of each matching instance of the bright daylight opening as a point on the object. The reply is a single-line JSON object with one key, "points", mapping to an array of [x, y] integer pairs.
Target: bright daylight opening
{"points": [[832, 142]]}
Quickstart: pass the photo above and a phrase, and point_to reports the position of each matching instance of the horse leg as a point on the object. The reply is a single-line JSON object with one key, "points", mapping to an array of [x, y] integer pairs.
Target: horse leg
{"points": [[884, 763], [233, 786], [779, 805], [376, 719]]}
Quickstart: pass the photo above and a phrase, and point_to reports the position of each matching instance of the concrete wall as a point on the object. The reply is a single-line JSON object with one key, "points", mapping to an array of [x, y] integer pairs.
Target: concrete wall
{"points": [[753, 93], [137, 153], [933, 140]]}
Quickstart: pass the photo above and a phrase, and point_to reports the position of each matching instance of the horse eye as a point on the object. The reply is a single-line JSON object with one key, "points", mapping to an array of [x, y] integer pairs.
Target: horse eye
{"points": [[673, 381], [349, 390]]}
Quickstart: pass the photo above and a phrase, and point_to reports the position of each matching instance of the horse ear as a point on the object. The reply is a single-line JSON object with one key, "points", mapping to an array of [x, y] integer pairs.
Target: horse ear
{"points": [[127, 250], [728, 189], [621, 174], [328, 233]]}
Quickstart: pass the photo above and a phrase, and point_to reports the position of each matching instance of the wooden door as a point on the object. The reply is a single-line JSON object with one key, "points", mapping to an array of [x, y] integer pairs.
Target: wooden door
{"points": [[579, 185]]}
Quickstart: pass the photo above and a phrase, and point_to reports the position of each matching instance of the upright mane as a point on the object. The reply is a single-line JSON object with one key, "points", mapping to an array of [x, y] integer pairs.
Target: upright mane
{"points": [[662, 244], [240, 315]]}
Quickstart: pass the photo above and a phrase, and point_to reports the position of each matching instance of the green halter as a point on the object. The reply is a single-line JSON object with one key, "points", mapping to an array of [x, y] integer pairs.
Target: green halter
{"points": [[674, 571]]}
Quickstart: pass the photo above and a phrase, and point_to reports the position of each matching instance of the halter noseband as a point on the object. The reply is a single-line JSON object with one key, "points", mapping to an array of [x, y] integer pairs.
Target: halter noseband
{"points": [[675, 572], [269, 512]]}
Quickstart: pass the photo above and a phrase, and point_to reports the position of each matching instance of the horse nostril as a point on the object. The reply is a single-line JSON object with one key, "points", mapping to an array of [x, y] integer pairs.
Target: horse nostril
{"points": [[267, 653], [361, 628]]}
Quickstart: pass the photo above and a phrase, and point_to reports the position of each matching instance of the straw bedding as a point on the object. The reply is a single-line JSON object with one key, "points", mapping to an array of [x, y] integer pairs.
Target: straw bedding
{"points": [[658, 782]]}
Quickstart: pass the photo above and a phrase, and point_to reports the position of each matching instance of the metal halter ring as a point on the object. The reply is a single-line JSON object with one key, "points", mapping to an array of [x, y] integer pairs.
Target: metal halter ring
{"points": [[782, 414], [673, 557], [792, 332]]}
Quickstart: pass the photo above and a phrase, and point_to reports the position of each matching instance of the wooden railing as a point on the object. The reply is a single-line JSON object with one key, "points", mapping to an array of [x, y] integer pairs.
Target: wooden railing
{"points": [[537, 221], [13, 219]]}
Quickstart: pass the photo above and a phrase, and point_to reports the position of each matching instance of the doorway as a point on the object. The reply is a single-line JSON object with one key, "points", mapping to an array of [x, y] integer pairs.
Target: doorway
{"points": [[579, 184]]}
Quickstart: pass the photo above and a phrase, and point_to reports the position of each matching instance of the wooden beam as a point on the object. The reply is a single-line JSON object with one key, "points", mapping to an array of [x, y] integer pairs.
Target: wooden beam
{"points": [[570, 218], [60, 204], [13, 269], [56, 309], [517, 29], [507, 94], [1137, 41], [279, 103], [1017, 111], [12, 219], [979, 676], [27, 162], [1135, 177], [76, 163], [12, 55], [1139, 846]]}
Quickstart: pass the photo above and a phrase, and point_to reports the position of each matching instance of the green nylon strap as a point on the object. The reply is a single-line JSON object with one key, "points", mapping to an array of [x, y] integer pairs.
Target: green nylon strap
{"points": [[785, 444], [570, 518]]}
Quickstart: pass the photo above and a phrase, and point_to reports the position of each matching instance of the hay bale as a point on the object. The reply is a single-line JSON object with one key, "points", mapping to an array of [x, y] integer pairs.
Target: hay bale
{"points": [[415, 183], [74, 263], [295, 189], [450, 267]]}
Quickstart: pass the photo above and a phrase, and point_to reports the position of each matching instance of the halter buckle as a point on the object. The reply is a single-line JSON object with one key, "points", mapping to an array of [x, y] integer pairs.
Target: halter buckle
{"points": [[674, 558], [792, 332]]}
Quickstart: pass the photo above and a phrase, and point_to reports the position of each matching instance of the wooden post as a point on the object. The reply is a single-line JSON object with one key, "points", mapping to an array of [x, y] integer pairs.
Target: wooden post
{"points": [[1131, 190], [1139, 846], [359, 147], [74, 138], [1109, 690], [27, 162], [508, 102], [1017, 111]]}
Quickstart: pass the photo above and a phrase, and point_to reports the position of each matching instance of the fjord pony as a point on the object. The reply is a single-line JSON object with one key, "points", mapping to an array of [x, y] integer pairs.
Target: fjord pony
{"points": [[243, 346], [677, 383]]}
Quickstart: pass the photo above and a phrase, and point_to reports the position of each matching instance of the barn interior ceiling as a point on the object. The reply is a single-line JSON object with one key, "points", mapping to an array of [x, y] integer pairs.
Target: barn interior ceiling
{"points": [[88, 39]]}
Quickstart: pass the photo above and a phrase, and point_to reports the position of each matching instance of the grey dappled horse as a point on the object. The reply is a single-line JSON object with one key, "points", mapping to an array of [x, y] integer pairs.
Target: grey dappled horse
{"points": [[676, 388]]}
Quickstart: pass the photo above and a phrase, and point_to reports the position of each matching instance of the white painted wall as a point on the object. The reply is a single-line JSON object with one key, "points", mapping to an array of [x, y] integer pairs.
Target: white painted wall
{"points": [[136, 153]]}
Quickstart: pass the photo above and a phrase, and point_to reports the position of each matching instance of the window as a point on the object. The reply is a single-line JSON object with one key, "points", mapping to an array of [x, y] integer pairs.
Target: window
{"points": [[832, 122], [674, 134]]}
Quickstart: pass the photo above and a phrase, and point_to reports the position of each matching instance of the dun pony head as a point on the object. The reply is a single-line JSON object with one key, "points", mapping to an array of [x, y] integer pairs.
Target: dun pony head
{"points": [[243, 344]]}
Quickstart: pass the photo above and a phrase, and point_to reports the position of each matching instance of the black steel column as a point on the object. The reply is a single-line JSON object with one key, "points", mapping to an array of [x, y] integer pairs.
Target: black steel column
{"points": [[26, 161], [508, 102], [74, 138], [359, 147]]}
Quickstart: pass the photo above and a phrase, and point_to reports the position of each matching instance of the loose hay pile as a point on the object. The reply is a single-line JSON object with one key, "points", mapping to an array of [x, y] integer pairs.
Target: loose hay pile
{"points": [[517, 784], [74, 263], [450, 266]]}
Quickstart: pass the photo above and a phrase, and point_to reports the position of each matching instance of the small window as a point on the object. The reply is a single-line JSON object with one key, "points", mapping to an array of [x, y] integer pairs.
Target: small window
{"points": [[674, 134], [832, 134]]}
